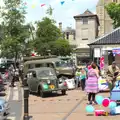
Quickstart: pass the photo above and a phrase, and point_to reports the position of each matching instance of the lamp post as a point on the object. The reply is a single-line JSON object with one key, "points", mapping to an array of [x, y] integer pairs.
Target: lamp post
{"points": [[26, 103]]}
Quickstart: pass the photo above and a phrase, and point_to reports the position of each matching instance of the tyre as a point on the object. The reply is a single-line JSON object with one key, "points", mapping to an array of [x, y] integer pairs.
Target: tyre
{"points": [[41, 93], [63, 92]]}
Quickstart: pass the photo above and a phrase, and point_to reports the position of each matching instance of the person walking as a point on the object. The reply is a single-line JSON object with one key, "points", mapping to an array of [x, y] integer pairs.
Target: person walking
{"points": [[83, 79], [92, 84]]}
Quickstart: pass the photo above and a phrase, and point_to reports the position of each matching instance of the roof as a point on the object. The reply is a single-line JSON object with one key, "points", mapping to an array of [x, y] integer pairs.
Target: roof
{"points": [[69, 29], [87, 13], [108, 39], [41, 69], [43, 60]]}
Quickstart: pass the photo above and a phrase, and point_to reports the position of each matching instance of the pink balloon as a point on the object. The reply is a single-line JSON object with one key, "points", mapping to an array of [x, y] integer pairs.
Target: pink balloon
{"points": [[106, 102]]}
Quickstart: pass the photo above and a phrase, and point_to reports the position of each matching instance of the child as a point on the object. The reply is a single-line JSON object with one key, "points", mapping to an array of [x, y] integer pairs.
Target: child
{"points": [[83, 79], [77, 76]]}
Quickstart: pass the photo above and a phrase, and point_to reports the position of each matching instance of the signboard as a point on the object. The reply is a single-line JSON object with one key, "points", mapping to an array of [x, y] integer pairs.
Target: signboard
{"points": [[116, 51], [97, 52]]}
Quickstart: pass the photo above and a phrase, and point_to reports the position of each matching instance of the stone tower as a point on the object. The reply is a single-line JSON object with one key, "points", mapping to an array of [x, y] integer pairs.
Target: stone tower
{"points": [[86, 28], [104, 19]]}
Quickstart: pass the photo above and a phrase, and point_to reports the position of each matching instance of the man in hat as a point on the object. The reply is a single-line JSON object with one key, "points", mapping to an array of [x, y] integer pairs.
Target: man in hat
{"points": [[112, 73]]}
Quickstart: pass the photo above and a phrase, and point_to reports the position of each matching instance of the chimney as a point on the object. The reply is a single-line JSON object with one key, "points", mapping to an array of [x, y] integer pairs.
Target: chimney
{"points": [[60, 26]]}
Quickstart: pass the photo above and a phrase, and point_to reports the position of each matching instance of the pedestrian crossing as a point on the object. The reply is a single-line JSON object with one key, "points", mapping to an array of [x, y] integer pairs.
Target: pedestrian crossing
{"points": [[13, 94]]}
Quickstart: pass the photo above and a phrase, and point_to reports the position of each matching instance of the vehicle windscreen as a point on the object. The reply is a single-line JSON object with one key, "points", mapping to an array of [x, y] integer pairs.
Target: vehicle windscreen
{"points": [[63, 64], [46, 73]]}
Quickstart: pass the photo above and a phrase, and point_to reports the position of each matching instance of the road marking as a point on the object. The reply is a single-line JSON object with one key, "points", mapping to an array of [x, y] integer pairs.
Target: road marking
{"points": [[11, 118], [8, 93], [15, 95], [22, 105]]}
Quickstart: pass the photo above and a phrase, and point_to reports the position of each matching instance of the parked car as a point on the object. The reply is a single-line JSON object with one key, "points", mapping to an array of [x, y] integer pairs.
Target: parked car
{"points": [[44, 80], [4, 109]]}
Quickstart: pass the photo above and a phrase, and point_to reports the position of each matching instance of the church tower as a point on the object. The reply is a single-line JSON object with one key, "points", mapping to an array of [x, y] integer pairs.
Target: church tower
{"points": [[104, 19]]}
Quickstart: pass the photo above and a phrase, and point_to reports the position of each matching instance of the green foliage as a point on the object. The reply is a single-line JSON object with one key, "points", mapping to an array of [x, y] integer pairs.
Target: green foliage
{"points": [[113, 10], [45, 34], [61, 48], [49, 11], [15, 31], [48, 39]]}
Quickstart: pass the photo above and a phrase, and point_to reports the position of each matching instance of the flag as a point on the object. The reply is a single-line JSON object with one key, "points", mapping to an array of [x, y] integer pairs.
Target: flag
{"points": [[62, 2], [42, 5]]}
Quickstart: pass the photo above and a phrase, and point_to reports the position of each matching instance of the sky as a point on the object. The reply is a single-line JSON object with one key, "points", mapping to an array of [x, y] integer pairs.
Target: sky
{"points": [[61, 13]]}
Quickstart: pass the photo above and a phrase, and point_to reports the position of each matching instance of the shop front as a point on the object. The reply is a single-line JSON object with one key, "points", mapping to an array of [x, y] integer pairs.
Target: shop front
{"points": [[107, 46]]}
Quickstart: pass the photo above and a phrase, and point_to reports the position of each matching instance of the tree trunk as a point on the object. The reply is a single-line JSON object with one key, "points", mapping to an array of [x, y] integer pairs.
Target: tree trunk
{"points": [[16, 55]]}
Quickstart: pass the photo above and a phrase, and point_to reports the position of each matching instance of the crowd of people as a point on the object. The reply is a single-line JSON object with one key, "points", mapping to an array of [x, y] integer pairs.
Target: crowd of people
{"points": [[13, 74], [87, 78]]}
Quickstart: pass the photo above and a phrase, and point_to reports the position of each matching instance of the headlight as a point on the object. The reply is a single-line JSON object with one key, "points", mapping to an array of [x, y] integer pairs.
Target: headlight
{"points": [[48, 81], [57, 72], [60, 80]]}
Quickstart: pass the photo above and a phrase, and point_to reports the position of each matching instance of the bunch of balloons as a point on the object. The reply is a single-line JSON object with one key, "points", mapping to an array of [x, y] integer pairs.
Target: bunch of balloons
{"points": [[105, 102]]}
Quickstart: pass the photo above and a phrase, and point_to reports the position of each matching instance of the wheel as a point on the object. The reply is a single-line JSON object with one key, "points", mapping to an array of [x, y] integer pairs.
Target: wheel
{"points": [[41, 93], [63, 92]]}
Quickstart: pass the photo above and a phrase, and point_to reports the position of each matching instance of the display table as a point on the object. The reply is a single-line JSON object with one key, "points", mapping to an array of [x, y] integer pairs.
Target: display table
{"points": [[103, 84], [115, 93]]}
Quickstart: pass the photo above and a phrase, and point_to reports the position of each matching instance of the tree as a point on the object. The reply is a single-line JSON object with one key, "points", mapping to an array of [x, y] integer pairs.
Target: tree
{"points": [[49, 11], [113, 10], [61, 47], [48, 37], [46, 33], [16, 32]]}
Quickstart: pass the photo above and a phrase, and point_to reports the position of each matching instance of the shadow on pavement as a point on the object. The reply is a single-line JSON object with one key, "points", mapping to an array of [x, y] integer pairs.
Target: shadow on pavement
{"points": [[49, 95], [30, 118], [90, 114]]}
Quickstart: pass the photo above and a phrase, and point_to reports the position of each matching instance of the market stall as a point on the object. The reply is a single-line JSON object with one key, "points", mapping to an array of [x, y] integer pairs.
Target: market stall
{"points": [[103, 84]]}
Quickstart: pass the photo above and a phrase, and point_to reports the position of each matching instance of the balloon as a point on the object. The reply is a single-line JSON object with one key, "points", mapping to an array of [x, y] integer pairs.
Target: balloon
{"points": [[90, 108], [99, 99], [112, 105], [106, 102]]}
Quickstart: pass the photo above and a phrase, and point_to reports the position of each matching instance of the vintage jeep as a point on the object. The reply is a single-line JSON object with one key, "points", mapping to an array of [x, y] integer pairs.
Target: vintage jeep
{"points": [[44, 80]]}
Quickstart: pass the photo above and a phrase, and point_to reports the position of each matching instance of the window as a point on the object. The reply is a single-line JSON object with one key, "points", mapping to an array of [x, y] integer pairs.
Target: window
{"points": [[84, 34], [67, 36], [85, 39], [73, 36], [38, 65], [85, 20], [31, 66], [115, 1], [46, 73], [50, 65]]}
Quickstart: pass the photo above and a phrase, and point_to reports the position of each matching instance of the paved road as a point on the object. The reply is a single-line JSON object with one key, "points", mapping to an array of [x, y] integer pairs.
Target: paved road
{"points": [[14, 96], [68, 107], [55, 107]]}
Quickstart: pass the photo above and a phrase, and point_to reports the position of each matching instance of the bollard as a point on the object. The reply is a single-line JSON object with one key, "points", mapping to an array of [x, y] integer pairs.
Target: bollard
{"points": [[26, 103]]}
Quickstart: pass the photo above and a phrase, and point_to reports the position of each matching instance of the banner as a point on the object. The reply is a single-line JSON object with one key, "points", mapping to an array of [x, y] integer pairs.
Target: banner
{"points": [[116, 51]]}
